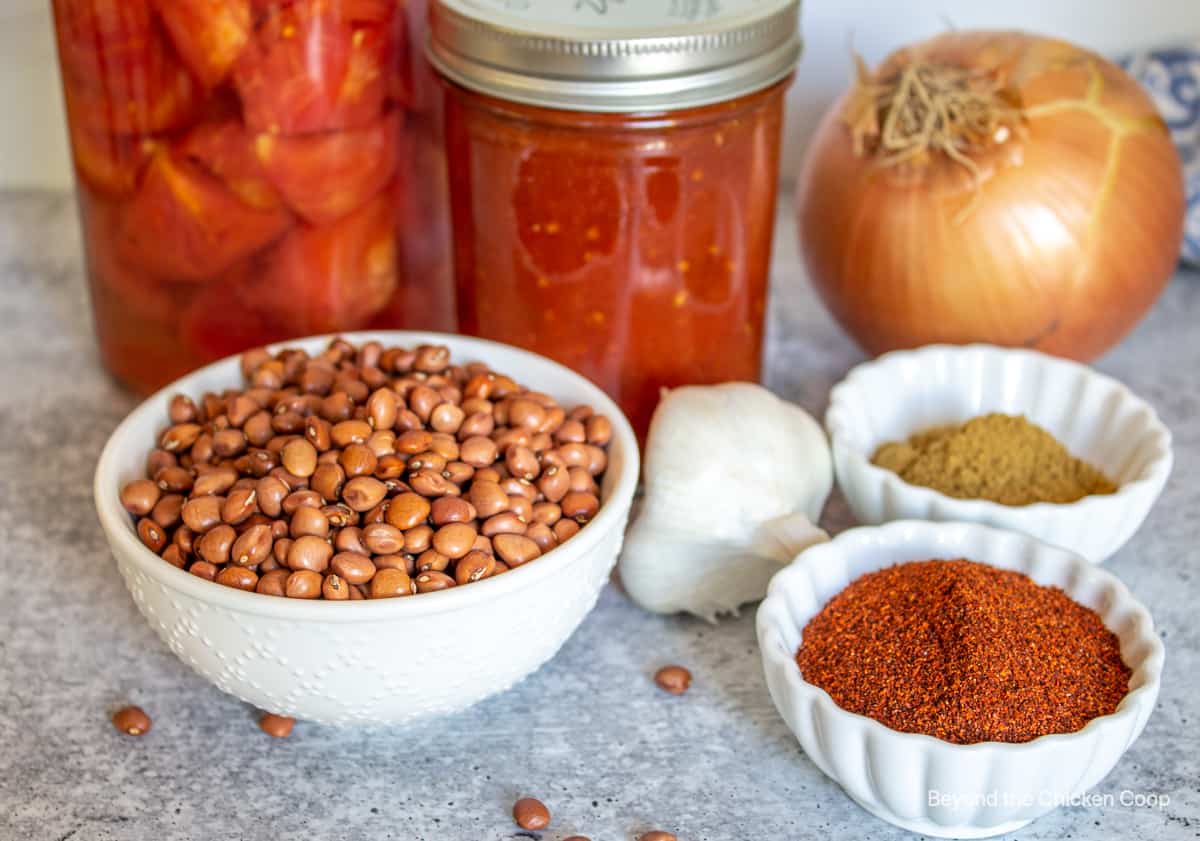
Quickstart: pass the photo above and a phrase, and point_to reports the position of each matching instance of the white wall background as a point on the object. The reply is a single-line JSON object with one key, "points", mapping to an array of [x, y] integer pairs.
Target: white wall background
{"points": [[33, 148]]}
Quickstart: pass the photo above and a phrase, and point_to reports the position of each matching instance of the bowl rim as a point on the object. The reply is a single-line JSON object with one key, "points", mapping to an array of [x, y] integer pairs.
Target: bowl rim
{"points": [[116, 523], [842, 441], [773, 611]]}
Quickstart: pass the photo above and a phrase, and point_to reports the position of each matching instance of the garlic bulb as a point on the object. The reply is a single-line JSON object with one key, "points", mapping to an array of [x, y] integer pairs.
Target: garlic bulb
{"points": [[734, 479]]}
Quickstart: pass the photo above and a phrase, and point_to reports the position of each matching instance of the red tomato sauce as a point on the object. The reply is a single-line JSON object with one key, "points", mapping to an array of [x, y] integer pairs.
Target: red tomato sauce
{"points": [[253, 170], [632, 248]]}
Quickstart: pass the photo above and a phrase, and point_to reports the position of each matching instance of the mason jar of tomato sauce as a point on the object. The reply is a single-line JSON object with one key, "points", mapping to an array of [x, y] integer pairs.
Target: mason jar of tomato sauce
{"points": [[613, 169], [253, 170]]}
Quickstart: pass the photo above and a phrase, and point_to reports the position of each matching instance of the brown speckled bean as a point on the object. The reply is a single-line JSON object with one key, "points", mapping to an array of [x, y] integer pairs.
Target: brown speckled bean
{"points": [[431, 560], [580, 507], [521, 462], [309, 553], [203, 569], [349, 432], [382, 406], [303, 584], [300, 499], [151, 534], [352, 566], [299, 456], [515, 549], [252, 546], [487, 497], [174, 479], [239, 578], [530, 813], [273, 582], [240, 504], [168, 511], [214, 482], [270, 493], [505, 522], [140, 496], [383, 538], [408, 510], [522, 507], [174, 556], [215, 545], [362, 493], [418, 538], [547, 512], [333, 588], [390, 583], [431, 483], [474, 566], [541, 534], [431, 582], [564, 530], [451, 509], [306, 520], [202, 513], [181, 409], [454, 539], [228, 442], [358, 460], [328, 480]]}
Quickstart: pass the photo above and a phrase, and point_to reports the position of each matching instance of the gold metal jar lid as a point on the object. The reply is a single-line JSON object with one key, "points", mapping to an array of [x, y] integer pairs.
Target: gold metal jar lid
{"points": [[615, 55]]}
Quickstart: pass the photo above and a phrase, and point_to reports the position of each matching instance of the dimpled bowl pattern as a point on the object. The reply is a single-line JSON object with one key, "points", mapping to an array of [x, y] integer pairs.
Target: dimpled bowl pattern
{"points": [[386, 661], [1097, 418], [920, 783]]}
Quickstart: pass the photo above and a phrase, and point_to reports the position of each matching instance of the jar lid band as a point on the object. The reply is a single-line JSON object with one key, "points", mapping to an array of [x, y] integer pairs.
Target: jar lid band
{"points": [[615, 55]]}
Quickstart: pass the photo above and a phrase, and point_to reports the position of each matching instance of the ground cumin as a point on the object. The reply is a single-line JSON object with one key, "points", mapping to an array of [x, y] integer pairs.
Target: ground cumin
{"points": [[1003, 458], [964, 652]]}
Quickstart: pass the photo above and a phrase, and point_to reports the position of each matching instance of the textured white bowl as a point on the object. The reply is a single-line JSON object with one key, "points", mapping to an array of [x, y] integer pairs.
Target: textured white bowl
{"points": [[387, 661], [1096, 417], [988, 788]]}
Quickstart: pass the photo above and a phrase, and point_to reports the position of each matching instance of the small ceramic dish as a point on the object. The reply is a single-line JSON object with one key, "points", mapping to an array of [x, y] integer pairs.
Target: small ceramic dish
{"points": [[385, 661], [927, 785], [1097, 418]]}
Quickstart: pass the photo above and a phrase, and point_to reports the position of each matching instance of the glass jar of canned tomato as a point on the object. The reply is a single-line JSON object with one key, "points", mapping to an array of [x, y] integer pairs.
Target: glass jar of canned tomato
{"points": [[613, 171], [250, 171]]}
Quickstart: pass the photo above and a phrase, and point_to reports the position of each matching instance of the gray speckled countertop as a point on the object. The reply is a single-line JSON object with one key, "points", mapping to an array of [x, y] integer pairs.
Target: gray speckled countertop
{"points": [[588, 733]]}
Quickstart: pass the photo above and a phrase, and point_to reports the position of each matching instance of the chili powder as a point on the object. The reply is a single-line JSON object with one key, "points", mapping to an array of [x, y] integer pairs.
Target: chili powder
{"points": [[964, 652]]}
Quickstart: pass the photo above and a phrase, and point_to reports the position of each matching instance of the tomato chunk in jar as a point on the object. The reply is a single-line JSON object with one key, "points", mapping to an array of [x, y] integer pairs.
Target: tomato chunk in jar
{"points": [[252, 170], [634, 248]]}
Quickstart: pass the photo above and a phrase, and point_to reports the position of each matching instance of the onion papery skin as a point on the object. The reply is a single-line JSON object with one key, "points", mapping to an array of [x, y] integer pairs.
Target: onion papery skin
{"points": [[1062, 242]]}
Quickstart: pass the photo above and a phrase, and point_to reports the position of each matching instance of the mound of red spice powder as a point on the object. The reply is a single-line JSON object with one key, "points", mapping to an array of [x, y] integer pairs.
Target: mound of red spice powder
{"points": [[964, 652]]}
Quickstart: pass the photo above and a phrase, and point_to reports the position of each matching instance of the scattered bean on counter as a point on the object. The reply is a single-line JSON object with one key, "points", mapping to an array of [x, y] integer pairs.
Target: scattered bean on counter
{"points": [[132, 721], [278, 726], [673, 679], [657, 835], [365, 473], [530, 813]]}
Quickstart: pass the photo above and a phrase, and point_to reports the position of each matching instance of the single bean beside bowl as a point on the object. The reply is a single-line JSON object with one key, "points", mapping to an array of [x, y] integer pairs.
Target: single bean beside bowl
{"points": [[366, 472]]}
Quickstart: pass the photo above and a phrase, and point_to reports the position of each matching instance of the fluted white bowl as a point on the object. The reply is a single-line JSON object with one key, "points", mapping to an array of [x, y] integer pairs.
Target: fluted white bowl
{"points": [[386, 661], [1096, 417], [924, 784]]}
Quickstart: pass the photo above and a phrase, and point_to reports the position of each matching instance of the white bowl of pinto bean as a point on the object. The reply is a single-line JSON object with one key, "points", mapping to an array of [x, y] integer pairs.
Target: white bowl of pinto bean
{"points": [[459, 566]]}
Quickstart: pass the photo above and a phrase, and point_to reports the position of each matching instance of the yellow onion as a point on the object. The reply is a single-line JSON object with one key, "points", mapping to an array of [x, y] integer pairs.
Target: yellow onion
{"points": [[995, 187]]}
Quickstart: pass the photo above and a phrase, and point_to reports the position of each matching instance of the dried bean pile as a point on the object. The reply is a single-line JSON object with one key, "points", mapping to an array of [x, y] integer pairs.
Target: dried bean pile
{"points": [[365, 473]]}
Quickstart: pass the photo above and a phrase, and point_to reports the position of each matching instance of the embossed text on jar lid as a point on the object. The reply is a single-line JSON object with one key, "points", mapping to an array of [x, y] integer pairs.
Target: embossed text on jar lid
{"points": [[615, 55]]}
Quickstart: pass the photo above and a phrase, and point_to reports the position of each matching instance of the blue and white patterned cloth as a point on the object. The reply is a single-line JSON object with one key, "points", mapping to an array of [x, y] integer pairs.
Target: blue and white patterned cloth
{"points": [[1172, 76]]}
